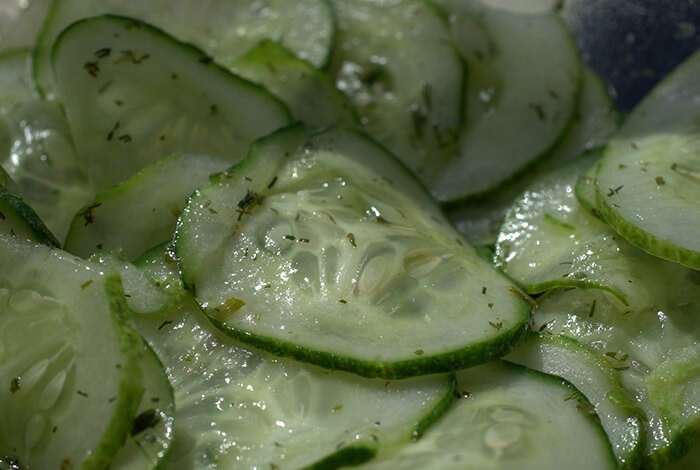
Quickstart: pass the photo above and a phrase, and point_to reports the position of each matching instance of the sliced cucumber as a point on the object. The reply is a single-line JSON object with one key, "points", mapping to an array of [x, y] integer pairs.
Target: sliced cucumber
{"points": [[160, 265], [241, 408], [17, 218], [134, 94], [656, 350], [548, 240], [335, 255], [16, 83], [309, 93], [67, 399], [151, 432], [20, 22], [510, 417], [648, 182], [224, 29], [142, 211], [597, 379], [595, 120], [395, 62], [522, 92]]}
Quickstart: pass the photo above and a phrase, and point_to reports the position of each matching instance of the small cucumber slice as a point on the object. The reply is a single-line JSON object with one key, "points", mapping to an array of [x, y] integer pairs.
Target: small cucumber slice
{"points": [[160, 265], [509, 417], [151, 434], [395, 62], [595, 121], [523, 89], [133, 94], [548, 240], [242, 408], [334, 254], [18, 218], [648, 182], [655, 348], [224, 29], [69, 362], [309, 93], [597, 379], [141, 211]]}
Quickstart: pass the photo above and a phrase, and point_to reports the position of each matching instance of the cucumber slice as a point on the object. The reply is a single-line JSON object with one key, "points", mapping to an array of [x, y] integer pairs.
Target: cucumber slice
{"points": [[68, 363], [16, 83], [655, 349], [548, 240], [125, 84], [17, 218], [224, 29], [648, 182], [522, 93], [142, 211], [510, 417], [160, 265], [597, 379], [595, 121], [20, 22], [395, 62], [309, 93], [241, 408], [335, 255]]}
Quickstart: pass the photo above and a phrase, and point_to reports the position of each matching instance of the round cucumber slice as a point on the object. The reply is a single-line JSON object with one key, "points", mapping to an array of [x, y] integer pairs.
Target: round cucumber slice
{"points": [[648, 182], [68, 362], [133, 94], [335, 255]]}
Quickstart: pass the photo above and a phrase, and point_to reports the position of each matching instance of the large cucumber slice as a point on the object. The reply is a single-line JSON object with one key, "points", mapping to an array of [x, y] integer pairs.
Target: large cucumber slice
{"points": [[655, 348], [395, 62], [134, 94], [335, 255], [68, 362], [225, 29], [648, 182], [241, 408], [142, 211], [522, 92], [599, 381], [509, 417]]}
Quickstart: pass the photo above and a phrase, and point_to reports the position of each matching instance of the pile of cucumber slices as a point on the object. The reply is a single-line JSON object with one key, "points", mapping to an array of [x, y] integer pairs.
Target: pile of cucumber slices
{"points": [[317, 234]]}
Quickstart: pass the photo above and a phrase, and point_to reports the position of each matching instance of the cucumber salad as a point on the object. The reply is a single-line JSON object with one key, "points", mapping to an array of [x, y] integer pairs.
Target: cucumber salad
{"points": [[392, 234]]}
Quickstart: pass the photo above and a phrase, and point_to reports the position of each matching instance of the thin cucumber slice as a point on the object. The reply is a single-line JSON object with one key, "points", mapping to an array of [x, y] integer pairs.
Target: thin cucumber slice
{"points": [[241, 408], [151, 434], [224, 29], [335, 255], [595, 121], [69, 360], [597, 379], [395, 62], [133, 94], [585, 189], [655, 349], [160, 265], [548, 240], [522, 93], [309, 93], [648, 182], [509, 417], [18, 218], [141, 211]]}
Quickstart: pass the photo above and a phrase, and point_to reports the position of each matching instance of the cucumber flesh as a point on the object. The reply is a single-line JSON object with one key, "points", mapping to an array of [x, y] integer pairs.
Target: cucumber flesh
{"points": [[509, 417], [522, 94], [338, 257], [69, 399], [224, 29], [133, 94], [238, 407], [648, 181], [597, 379], [141, 211]]}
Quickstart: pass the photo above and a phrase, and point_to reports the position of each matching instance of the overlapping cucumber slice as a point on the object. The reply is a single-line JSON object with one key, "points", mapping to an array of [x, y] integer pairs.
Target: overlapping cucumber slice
{"points": [[648, 182], [322, 247], [505, 419], [224, 29], [133, 94]]}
